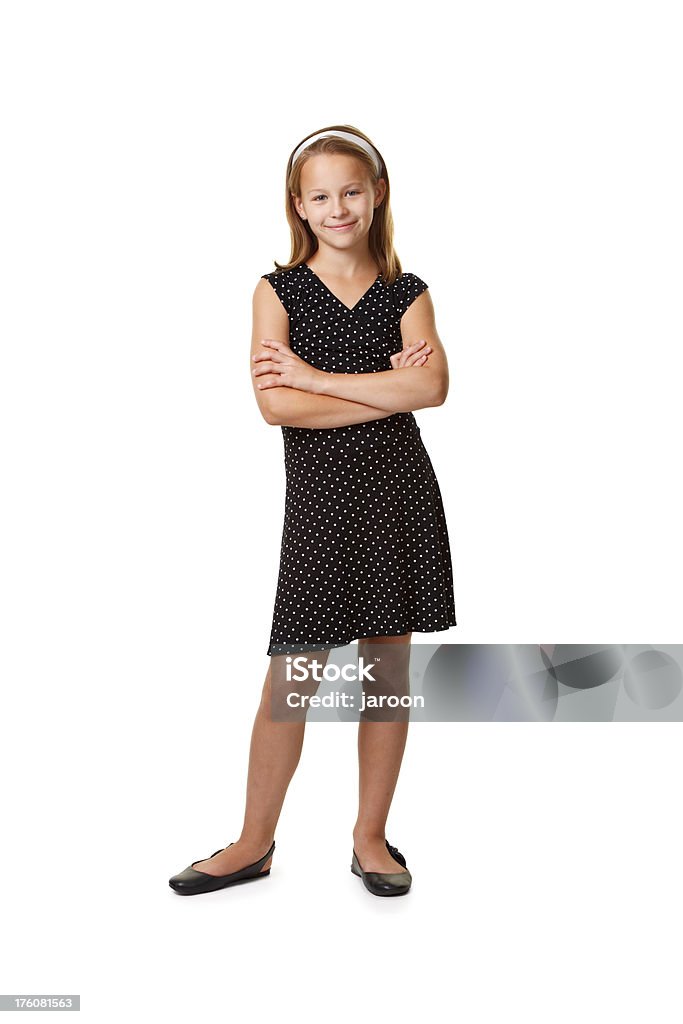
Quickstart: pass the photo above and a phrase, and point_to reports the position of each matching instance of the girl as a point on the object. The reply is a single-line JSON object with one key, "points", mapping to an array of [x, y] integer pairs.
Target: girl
{"points": [[344, 349]]}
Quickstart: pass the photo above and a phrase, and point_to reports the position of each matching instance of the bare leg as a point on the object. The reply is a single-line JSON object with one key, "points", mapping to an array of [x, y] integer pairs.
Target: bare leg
{"points": [[273, 758], [380, 753]]}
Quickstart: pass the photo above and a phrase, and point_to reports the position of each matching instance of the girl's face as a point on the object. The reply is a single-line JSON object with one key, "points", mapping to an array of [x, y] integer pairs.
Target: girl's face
{"points": [[338, 199]]}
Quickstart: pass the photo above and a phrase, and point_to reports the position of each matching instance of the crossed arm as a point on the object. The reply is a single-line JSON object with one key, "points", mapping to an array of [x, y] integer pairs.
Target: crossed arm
{"points": [[291, 392]]}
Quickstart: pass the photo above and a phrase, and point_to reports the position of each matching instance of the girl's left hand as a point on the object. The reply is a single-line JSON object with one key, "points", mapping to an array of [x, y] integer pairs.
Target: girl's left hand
{"points": [[281, 367], [416, 354]]}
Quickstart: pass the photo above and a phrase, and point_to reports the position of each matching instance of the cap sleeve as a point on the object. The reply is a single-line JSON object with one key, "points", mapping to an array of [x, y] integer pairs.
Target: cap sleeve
{"points": [[410, 287], [280, 283]]}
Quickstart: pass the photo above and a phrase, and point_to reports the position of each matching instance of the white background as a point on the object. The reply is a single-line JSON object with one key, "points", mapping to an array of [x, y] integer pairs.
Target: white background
{"points": [[534, 153]]}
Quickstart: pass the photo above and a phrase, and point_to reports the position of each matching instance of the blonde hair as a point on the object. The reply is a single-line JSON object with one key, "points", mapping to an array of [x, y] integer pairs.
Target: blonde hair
{"points": [[381, 237]]}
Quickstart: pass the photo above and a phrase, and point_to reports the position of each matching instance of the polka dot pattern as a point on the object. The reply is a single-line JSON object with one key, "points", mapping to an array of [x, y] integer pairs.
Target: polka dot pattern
{"points": [[365, 549]]}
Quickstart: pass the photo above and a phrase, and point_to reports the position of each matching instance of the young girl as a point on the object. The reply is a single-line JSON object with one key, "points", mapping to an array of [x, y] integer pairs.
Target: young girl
{"points": [[344, 349]]}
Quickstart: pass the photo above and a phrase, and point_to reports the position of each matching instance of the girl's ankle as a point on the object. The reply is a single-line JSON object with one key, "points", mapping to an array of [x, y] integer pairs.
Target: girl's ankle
{"points": [[367, 836], [256, 843]]}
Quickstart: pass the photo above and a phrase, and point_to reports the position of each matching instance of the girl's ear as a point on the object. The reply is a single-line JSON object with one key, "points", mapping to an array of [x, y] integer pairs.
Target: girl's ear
{"points": [[297, 205]]}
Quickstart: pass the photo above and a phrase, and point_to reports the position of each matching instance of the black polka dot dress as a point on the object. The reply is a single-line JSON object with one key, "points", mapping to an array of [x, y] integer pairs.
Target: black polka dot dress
{"points": [[365, 550]]}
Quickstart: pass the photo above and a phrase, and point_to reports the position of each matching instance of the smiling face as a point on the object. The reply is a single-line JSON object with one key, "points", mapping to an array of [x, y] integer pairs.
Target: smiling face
{"points": [[338, 199]]}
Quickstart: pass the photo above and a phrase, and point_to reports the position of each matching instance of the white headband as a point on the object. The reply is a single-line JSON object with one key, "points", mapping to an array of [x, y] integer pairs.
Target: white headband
{"points": [[370, 150]]}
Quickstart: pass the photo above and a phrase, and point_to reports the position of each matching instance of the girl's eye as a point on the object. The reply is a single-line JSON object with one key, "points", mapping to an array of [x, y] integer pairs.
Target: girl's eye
{"points": [[355, 191]]}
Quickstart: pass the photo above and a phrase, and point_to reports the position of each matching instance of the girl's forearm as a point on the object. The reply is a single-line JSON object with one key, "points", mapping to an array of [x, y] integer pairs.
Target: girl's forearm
{"points": [[289, 407], [401, 390]]}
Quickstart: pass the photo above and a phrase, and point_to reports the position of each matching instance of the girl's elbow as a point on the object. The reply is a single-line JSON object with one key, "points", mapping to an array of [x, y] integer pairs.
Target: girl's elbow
{"points": [[272, 418], [440, 392], [268, 411]]}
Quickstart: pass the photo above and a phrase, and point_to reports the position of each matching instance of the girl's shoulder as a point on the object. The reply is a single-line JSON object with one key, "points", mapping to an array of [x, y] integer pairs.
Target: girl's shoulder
{"points": [[406, 289], [284, 275], [286, 284]]}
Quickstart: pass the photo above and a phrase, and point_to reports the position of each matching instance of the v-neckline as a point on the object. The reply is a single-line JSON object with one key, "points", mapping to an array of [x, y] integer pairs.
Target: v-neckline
{"points": [[329, 291]]}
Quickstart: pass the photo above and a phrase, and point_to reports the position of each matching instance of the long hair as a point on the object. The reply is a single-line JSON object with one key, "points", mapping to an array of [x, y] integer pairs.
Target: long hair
{"points": [[381, 237]]}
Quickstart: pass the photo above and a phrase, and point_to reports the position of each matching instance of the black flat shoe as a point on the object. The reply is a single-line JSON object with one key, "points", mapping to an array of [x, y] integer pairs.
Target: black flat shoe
{"points": [[190, 881], [383, 883]]}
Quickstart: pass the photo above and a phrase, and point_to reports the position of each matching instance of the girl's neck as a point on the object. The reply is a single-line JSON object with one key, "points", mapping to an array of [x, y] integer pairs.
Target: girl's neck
{"points": [[344, 266]]}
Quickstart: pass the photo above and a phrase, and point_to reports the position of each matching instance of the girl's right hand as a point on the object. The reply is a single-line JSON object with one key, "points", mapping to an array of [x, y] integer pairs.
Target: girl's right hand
{"points": [[415, 355]]}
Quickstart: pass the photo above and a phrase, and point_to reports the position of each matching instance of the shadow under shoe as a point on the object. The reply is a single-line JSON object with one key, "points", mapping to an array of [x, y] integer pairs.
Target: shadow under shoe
{"points": [[190, 881], [384, 883]]}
